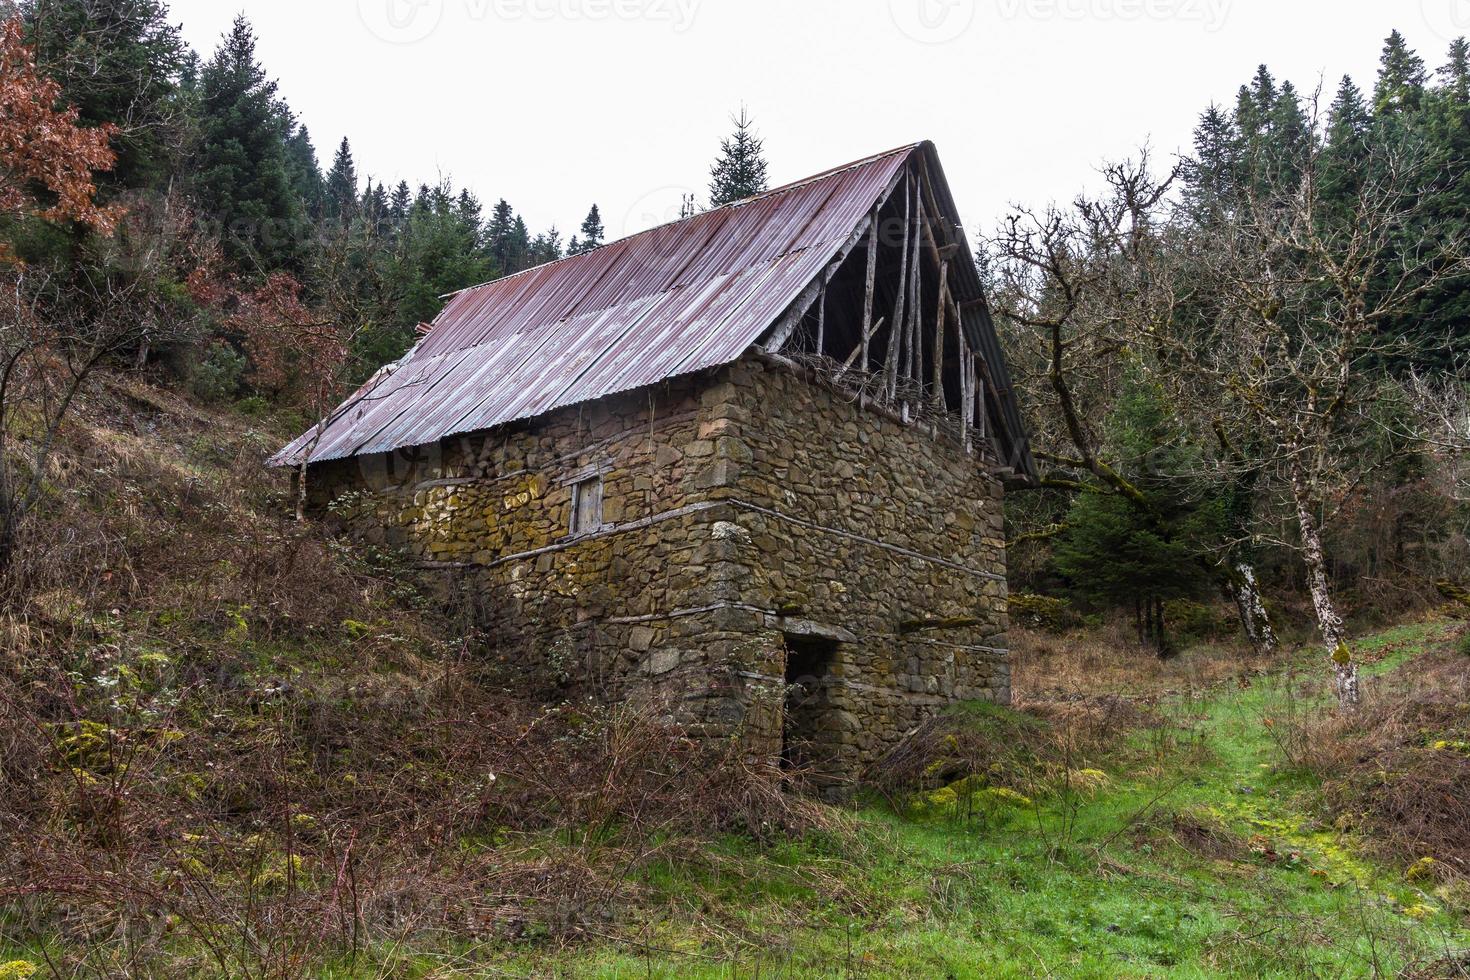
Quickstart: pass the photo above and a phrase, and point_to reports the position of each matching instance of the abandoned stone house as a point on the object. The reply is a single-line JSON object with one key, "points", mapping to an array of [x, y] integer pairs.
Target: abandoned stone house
{"points": [[747, 465]]}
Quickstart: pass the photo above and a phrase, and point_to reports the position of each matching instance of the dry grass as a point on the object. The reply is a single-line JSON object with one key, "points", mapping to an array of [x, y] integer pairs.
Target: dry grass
{"points": [[229, 744], [1399, 769], [1089, 663]]}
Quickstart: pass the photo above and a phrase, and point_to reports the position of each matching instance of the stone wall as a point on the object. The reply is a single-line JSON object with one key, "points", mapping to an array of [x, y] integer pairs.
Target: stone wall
{"points": [[745, 510], [856, 524]]}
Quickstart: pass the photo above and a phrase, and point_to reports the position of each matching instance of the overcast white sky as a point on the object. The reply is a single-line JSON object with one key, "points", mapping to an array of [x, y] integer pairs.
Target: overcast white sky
{"points": [[554, 104]]}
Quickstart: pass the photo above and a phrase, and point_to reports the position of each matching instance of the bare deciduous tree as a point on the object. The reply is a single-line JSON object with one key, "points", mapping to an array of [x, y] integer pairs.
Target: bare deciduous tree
{"points": [[1083, 284], [53, 336], [1288, 350]]}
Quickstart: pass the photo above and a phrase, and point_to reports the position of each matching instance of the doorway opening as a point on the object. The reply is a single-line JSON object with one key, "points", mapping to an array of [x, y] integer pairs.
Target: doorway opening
{"points": [[807, 729]]}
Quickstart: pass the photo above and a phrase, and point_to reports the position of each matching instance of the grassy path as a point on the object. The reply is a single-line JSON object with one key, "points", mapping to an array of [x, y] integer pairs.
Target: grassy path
{"points": [[1196, 850], [1200, 857]]}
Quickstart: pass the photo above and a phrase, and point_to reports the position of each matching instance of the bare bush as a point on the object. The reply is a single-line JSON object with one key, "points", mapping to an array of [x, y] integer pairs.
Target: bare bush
{"points": [[1400, 769], [227, 741]]}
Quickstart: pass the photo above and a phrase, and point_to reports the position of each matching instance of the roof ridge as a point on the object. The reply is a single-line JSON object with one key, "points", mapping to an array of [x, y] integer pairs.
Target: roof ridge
{"points": [[783, 189]]}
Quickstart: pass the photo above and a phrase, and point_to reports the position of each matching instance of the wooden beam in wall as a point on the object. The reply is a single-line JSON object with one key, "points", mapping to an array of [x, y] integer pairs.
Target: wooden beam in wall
{"points": [[966, 366], [822, 319]]}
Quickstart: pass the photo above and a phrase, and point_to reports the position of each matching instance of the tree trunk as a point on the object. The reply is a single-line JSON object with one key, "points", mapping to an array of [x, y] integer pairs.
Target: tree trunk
{"points": [[1241, 584], [1245, 592], [1161, 636], [1344, 669], [301, 490]]}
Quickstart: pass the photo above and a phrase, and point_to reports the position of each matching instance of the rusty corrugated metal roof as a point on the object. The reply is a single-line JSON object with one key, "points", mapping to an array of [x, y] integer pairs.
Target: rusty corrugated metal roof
{"points": [[678, 298]]}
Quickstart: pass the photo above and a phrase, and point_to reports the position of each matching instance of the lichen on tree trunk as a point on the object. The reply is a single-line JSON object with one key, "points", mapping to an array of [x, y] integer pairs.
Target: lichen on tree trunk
{"points": [[1344, 668], [1245, 591]]}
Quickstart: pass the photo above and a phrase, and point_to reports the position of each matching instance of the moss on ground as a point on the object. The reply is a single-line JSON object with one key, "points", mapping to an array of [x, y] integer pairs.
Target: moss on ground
{"points": [[1200, 861]]}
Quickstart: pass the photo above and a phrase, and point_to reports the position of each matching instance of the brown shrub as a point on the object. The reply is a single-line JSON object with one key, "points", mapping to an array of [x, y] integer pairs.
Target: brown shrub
{"points": [[221, 725], [1025, 749], [1111, 661], [1399, 769]]}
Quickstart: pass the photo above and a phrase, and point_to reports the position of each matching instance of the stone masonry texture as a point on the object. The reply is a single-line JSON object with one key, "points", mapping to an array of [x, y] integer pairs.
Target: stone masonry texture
{"points": [[747, 513]]}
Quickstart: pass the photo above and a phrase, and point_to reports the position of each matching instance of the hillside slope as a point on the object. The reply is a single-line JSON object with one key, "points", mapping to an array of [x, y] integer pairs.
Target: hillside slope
{"points": [[231, 746]]}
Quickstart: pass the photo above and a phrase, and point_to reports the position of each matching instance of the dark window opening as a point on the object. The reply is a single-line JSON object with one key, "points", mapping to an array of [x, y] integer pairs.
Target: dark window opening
{"points": [[808, 732]]}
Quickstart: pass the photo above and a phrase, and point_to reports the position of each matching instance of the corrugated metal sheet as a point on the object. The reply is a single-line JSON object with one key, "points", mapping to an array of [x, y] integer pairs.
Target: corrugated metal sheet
{"points": [[678, 298]]}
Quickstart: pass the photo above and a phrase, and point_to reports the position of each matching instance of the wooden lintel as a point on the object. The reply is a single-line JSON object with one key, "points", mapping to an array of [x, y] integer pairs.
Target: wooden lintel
{"points": [[938, 623]]}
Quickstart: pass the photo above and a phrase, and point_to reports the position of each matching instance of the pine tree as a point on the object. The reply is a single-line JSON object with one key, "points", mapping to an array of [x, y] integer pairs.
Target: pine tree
{"points": [[1291, 131], [545, 247], [1289, 136], [1456, 73], [376, 210], [520, 245], [1253, 105], [574, 246], [1117, 554], [499, 235], [1210, 175], [467, 208], [398, 206], [303, 171], [1345, 148], [507, 239], [1400, 87], [121, 62], [591, 230], [341, 184], [438, 250], [740, 170], [1439, 327], [241, 175]]}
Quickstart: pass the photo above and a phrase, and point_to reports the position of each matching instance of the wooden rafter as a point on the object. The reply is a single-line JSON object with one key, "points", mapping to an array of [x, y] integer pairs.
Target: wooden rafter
{"points": [[868, 286]]}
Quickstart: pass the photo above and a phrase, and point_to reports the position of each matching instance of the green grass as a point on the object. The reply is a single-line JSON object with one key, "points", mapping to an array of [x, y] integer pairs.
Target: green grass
{"points": [[1072, 885], [1091, 887]]}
